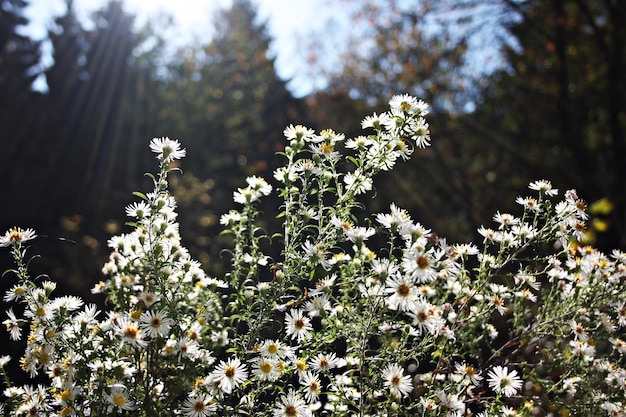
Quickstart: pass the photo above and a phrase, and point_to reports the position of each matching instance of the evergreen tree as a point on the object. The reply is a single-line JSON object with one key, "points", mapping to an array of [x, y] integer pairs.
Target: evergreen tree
{"points": [[248, 106], [229, 107], [85, 163], [67, 81], [107, 108], [92, 97], [19, 104]]}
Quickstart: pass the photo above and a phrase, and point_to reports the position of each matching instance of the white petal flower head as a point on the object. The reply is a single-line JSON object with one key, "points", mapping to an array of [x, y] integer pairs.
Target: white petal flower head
{"points": [[324, 362], [266, 369], [420, 264], [397, 218], [199, 406], [167, 149], [544, 187], [138, 210], [119, 398], [312, 385], [245, 195], [328, 136], [505, 220], [358, 182], [291, 405], [275, 349], [378, 122], [298, 133], [13, 325], [229, 375], [504, 382], [394, 379], [359, 234], [259, 185], [359, 142], [404, 103], [319, 305], [298, 326], [467, 373], [285, 174], [16, 236], [4, 360], [130, 332], [155, 324], [402, 292]]}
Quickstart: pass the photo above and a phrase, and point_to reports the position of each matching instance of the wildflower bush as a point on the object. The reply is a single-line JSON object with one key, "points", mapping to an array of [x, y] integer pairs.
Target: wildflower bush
{"points": [[337, 314]]}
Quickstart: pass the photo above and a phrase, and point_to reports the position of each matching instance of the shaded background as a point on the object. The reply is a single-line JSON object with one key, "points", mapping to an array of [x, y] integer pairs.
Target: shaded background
{"points": [[521, 90]]}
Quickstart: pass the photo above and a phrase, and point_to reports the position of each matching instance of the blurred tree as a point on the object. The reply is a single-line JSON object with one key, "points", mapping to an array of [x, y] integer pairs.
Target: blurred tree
{"points": [[107, 101], [20, 106], [229, 108], [400, 47], [88, 161], [552, 108], [561, 98], [397, 46], [67, 80], [247, 105], [20, 110]]}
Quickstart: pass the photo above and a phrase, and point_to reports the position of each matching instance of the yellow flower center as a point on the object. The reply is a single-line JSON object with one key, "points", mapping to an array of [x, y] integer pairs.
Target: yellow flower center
{"points": [[266, 367], [119, 400], [229, 371]]}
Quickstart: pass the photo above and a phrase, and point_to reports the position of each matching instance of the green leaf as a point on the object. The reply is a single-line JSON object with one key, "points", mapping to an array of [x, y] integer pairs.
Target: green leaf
{"points": [[140, 195], [353, 160]]}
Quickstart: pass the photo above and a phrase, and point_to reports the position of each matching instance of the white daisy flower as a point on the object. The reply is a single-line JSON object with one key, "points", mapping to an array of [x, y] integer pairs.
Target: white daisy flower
{"points": [[118, 398], [16, 236], [504, 382], [298, 132], [229, 375], [167, 149], [199, 406], [298, 326], [312, 385], [291, 405], [155, 323], [266, 369], [543, 186], [323, 362], [394, 379], [402, 292], [138, 210]]}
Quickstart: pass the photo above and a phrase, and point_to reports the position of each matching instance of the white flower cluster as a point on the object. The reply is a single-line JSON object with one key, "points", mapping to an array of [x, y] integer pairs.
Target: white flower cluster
{"points": [[350, 316]]}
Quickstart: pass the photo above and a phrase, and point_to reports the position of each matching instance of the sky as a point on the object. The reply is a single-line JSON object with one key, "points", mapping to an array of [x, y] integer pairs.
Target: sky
{"points": [[287, 20]]}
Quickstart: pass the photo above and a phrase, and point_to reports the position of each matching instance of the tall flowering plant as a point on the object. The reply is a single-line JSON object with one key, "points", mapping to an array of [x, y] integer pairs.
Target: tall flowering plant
{"points": [[335, 314]]}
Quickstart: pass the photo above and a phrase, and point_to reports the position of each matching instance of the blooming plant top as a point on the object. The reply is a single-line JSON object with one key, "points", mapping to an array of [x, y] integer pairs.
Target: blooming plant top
{"points": [[378, 319], [16, 236]]}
